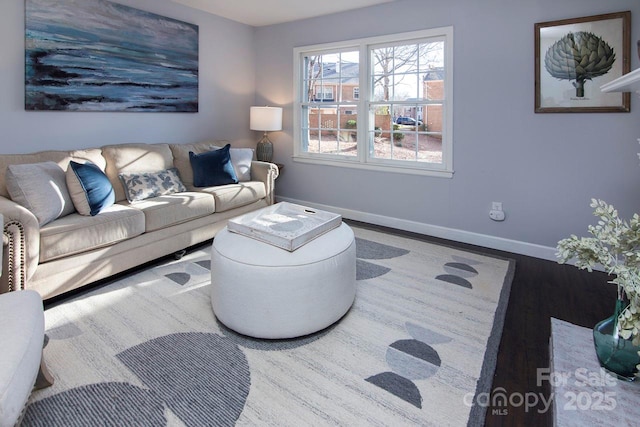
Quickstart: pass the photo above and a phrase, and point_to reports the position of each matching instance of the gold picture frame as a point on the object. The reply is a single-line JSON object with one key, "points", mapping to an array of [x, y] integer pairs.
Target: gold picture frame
{"points": [[574, 57]]}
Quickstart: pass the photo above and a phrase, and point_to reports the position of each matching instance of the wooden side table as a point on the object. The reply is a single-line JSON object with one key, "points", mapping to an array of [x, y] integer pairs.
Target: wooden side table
{"points": [[583, 393]]}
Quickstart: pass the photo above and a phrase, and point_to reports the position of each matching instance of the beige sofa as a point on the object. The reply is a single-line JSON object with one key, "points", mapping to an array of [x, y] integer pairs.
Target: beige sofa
{"points": [[76, 250]]}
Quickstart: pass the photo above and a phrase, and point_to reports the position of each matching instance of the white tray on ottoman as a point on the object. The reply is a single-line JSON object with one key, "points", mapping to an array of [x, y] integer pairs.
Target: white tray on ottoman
{"points": [[285, 225]]}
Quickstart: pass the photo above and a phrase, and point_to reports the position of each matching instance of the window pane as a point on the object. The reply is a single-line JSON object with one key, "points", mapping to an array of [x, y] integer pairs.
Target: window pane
{"points": [[431, 55], [328, 142], [313, 117], [324, 91], [430, 149], [383, 119], [407, 58], [407, 115], [310, 127], [347, 134], [381, 136], [382, 60], [382, 147], [349, 63], [311, 73], [434, 117], [405, 87], [432, 87], [328, 118], [331, 80], [381, 86], [407, 129]]}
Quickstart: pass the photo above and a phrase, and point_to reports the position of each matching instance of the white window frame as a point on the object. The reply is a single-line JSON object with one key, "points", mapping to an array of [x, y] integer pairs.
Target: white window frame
{"points": [[363, 160]]}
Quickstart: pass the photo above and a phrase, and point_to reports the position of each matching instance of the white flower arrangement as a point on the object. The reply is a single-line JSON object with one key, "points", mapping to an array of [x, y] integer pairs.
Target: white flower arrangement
{"points": [[615, 245]]}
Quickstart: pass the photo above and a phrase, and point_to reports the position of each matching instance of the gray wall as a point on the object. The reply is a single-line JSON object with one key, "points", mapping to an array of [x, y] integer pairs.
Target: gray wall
{"points": [[226, 91], [545, 168]]}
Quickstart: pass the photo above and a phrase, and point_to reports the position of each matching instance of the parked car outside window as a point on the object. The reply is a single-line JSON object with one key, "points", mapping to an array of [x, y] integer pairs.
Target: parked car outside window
{"points": [[410, 121]]}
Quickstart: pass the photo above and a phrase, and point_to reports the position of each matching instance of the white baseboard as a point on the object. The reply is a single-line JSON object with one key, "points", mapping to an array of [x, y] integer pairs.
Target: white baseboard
{"points": [[499, 243]]}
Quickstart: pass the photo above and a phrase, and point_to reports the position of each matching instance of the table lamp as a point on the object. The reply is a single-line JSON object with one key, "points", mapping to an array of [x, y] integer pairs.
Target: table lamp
{"points": [[265, 119]]}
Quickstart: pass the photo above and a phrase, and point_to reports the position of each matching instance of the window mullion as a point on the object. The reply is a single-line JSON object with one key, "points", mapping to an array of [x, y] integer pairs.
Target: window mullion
{"points": [[363, 104]]}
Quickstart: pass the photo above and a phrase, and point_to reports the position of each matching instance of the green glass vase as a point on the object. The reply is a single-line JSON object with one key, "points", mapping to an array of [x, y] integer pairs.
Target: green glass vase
{"points": [[616, 354]]}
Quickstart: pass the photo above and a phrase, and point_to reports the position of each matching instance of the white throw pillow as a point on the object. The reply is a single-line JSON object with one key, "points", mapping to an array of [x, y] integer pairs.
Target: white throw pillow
{"points": [[241, 160], [41, 188]]}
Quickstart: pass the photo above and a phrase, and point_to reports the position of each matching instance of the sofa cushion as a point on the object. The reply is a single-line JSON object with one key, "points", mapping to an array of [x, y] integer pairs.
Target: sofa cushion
{"points": [[164, 211], [141, 186], [213, 168], [41, 188], [134, 158], [235, 195], [77, 233], [90, 189]]}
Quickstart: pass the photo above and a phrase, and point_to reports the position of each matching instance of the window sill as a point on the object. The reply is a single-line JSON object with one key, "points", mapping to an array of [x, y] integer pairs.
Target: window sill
{"points": [[380, 167]]}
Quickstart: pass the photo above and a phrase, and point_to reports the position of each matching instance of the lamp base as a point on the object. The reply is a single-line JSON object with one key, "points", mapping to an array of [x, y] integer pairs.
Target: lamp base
{"points": [[264, 149]]}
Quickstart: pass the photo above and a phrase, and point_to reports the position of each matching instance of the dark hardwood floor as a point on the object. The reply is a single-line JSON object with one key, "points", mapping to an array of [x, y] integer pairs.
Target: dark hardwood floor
{"points": [[540, 290]]}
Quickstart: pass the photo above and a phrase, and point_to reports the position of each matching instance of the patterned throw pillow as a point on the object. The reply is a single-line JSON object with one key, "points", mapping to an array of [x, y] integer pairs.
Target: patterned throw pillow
{"points": [[140, 186]]}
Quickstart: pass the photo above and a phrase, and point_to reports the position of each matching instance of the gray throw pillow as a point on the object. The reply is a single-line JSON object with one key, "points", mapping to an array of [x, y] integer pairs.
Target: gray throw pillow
{"points": [[41, 188], [241, 160]]}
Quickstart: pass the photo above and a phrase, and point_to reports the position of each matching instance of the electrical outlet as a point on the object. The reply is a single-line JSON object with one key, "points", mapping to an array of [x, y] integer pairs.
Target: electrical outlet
{"points": [[496, 215]]}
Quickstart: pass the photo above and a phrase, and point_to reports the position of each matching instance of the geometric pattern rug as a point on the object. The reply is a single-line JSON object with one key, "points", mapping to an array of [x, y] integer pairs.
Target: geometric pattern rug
{"points": [[418, 344]]}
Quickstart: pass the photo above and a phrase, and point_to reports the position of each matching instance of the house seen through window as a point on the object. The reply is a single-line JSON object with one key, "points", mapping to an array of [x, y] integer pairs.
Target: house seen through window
{"points": [[400, 120]]}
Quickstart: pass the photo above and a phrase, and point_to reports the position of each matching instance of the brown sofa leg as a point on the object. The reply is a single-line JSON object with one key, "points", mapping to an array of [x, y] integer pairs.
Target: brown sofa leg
{"points": [[44, 379]]}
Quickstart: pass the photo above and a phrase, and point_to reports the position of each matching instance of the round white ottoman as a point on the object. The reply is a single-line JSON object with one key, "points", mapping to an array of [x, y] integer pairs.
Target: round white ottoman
{"points": [[263, 291]]}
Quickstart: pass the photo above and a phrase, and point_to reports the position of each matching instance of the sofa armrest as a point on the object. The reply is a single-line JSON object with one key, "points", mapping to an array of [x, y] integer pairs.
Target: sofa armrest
{"points": [[21, 240], [267, 173]]}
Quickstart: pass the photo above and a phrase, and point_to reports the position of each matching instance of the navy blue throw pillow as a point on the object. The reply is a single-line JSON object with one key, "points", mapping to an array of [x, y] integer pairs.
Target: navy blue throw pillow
{"points": [[90, 189], [213, 168]]}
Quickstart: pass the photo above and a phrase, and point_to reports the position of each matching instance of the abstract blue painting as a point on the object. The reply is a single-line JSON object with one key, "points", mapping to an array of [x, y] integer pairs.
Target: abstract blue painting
{"points": [[95, 55]]}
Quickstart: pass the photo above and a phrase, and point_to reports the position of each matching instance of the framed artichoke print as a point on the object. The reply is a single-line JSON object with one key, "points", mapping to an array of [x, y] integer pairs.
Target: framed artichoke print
{"points": [[574, 57]]}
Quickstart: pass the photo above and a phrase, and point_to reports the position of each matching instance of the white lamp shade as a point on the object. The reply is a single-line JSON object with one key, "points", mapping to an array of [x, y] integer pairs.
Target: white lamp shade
{"points": [[265, 118]]}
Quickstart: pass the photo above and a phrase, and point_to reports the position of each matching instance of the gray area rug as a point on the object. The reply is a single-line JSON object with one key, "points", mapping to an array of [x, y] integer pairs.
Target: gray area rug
{"points": [[419, 343]]}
